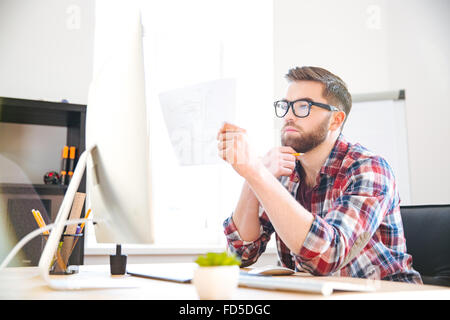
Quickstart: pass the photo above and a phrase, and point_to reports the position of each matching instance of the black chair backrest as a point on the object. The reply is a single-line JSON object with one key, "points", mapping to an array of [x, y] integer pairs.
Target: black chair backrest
{"points": [[427, 233]]}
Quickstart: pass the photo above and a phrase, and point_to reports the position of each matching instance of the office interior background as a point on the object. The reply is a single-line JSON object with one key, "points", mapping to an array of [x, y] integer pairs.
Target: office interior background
{"points": [[47, 52]]}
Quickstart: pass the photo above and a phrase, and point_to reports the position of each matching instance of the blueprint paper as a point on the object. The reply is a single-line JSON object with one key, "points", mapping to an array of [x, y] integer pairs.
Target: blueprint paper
{"points": [[194, 115]]}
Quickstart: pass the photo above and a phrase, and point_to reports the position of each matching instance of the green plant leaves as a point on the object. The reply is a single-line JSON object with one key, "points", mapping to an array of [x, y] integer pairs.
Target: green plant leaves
{"points": [[217, 259]]}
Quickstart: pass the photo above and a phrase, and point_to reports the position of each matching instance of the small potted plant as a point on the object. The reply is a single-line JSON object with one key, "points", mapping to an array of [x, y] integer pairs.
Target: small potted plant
{"points": [[217, 275]]}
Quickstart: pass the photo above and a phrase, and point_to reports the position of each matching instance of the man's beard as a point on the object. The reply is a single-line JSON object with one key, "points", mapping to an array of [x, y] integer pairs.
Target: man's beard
{"points": [[306, 141]]}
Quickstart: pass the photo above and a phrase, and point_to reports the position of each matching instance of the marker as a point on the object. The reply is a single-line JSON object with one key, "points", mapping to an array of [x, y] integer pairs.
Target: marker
{"points": [[71, 162], [64, 157], [79, 230]]}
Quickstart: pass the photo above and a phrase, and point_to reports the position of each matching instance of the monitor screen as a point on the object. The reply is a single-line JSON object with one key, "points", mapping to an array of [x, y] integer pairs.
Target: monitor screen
{"points": [[118, 168]]}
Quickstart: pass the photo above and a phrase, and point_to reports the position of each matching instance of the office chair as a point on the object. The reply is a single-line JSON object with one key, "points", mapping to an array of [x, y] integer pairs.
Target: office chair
{"points": [[427, 233]]}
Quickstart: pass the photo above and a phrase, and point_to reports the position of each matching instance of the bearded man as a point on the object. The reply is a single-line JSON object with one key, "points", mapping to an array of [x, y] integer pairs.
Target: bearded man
{"points": [[333, 205]]}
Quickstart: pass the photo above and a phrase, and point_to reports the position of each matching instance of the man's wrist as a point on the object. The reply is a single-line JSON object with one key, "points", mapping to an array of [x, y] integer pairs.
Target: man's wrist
{"points": [[257, 173]]}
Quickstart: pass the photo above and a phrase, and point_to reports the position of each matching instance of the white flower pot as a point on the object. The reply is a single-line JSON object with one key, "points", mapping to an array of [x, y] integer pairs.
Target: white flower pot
{"points": [[216, 283]]}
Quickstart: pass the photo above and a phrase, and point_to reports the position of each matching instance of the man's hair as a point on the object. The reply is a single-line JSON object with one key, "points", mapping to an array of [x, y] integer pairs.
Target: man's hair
{"points": [[335, 89]]}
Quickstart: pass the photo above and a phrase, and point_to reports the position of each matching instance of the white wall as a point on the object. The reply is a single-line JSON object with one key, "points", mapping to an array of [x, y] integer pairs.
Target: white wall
{"points": [[46, 51], [379, 45], [419, 61]]}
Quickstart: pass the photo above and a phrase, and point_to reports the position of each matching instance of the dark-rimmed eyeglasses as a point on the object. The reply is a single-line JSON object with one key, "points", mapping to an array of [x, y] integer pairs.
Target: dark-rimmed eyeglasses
{"points": [[301, 107]]}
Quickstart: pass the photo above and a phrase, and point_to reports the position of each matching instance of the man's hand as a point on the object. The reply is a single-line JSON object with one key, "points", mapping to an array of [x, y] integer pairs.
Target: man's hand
{"points": [[280, 161], [234, 148]]}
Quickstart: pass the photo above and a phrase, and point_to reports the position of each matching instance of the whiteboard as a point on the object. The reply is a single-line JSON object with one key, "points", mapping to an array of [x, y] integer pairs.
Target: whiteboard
{"points": [[380, 126]]}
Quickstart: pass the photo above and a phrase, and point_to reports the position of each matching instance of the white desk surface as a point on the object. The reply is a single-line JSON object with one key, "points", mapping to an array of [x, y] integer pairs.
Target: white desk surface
{"points": [[25, 283]]}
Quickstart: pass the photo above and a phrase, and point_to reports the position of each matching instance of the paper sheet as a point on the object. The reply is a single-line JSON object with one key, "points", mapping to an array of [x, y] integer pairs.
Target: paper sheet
{"points": [[194, 115]]}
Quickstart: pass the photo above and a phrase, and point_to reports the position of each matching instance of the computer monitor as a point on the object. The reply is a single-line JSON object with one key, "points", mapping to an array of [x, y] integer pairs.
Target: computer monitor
{"points": [[117, 157], [118, 173]]}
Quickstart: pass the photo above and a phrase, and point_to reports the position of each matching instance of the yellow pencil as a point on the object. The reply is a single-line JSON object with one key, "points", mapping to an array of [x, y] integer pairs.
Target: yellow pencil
{"points": [[36, 218], [297, 154], [39, 220], [86, 216], [59, 258], [43, 224]]}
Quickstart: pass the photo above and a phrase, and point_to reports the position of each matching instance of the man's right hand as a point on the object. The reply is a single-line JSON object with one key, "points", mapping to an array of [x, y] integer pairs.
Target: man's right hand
{"points": [[280, 161]]}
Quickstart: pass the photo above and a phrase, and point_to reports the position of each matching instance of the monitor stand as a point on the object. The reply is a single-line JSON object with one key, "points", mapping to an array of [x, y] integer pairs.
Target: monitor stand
{"points": [[63, 214]]}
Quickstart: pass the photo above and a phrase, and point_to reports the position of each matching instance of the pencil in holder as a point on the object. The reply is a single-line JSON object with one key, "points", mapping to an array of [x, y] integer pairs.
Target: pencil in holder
{"points": [[60, 262]]}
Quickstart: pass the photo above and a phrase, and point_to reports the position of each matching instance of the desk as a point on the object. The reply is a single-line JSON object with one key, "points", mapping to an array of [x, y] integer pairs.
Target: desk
{"points": [[25, 283]]}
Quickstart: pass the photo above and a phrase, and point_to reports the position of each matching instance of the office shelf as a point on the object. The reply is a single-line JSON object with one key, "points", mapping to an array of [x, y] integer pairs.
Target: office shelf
{"points": [[22, 197], [72, 116], [44, 189]]}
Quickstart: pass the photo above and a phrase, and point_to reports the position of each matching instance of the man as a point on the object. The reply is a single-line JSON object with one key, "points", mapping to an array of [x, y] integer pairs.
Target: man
{"points": [[333, 205]]}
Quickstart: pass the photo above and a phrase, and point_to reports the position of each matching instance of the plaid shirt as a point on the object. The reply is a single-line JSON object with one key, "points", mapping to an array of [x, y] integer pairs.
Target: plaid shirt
{"points": [[357, 229]]}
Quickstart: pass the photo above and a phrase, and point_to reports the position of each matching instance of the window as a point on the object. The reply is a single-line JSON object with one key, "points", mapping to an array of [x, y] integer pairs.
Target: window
{"points": [[191, 42]]}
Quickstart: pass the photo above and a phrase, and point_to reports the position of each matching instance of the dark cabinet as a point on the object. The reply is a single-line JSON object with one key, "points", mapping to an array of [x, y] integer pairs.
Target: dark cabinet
{"points": [[21, 198]]}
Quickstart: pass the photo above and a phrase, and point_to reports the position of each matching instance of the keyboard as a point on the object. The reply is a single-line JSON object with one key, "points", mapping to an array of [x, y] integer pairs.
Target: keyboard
{"points": [[300, 284]]}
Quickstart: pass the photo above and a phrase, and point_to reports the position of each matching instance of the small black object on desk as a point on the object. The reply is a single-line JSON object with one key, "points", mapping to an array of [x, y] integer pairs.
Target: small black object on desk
{"points": [[52, 177], [118, 262]]}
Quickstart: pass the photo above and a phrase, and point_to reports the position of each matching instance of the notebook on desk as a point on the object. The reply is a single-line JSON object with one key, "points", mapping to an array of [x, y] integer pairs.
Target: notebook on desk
{"points": [[176, 272]]}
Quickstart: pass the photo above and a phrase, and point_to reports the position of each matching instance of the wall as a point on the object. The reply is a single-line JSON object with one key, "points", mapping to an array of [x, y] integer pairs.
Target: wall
{"points": [[46, 49], [380, 45], [419, 61], [45, 53]]}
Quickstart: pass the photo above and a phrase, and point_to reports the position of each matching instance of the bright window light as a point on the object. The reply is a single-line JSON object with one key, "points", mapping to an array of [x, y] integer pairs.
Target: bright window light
{"points": [[192, 42]]}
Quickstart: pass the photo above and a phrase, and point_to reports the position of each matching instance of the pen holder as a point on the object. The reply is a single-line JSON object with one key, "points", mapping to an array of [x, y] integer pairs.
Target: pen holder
{"points": [[65, 249]]}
